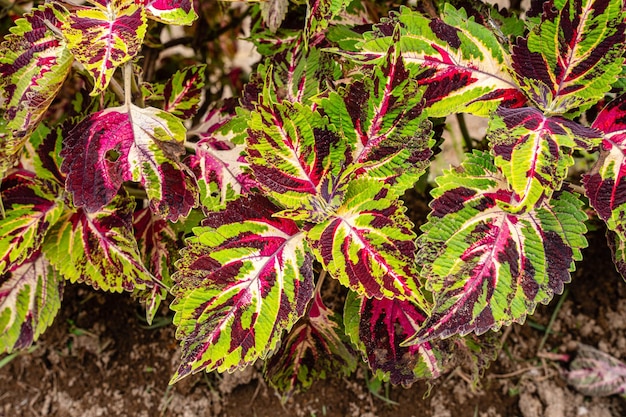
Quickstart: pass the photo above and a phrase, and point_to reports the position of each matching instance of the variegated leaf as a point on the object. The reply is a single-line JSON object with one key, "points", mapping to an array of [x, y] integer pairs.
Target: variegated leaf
{"points": [[487, 267], [368, 244], [30, 297], [99, 248], [320, 13], [466, 66], [381, 117], [534, 152], [34, 62], [571, 59], [597, 374], [273, 13], [242, 280], [32, 206], [173, 12], [298, 159], [129, 144], [605, 185], [157, 243], [105, 36], [183, 91], [315, 348], [379, 327]]}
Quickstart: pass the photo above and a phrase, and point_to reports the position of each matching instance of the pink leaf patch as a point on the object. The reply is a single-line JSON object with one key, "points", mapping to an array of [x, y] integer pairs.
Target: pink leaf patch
{"points": [[129, 144]]}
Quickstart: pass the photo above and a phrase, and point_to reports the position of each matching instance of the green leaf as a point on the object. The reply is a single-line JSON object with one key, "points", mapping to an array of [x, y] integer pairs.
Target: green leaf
{"points": [[487, 267], [105, 36], [368, 244], [243, 279], [30, 297], [99, 248]]}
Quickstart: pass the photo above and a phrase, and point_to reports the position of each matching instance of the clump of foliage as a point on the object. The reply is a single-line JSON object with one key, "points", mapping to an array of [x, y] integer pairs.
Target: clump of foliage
{"points": [[117, 165]]}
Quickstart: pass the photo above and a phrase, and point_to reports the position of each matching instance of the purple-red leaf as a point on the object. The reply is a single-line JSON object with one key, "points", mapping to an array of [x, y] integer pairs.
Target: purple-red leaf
{"points": [[379, 328], [174, 12], [129, 144]]}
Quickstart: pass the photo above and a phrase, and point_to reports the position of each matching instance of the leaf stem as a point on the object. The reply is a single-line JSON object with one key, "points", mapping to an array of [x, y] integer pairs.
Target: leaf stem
{"points": [[467, 139], [128, 83], [552, 319]]}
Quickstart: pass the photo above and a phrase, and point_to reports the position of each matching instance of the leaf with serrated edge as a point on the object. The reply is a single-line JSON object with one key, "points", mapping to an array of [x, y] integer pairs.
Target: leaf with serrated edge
{"points": [[99, 248], [571, 59], [32, 205], [381, 117], [605, 185], [273, 13], [129, 144], [34, 62], [534, 151], [174, 12], [30, 297], [320, 13], [315, 348], [368, 244], [297, 158], [241, 281], [105, 36], [596, 374], [487, 267], [378, 328], [466, 66]]}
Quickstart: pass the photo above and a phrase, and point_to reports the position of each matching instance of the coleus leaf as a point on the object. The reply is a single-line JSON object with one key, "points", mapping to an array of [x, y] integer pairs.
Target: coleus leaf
{"points": [[30, 297], [31, 205], [379, 327], [129, 143], [320, 13], [466, 66], [243, 279], [596, 373], [605, 185], [99, 248], [571, 59], [105, 36], [173, 12], [534, 151], [368, 244], [382, 116], [273, 13], [485, 266], [34, 62], [181, 94], [298, 159], [316, 347], [157, 243]]}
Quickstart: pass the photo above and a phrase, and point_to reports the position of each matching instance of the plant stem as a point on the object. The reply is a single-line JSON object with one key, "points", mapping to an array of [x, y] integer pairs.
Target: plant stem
{"points": [[467, 139], [128, 83], [552, 319]]}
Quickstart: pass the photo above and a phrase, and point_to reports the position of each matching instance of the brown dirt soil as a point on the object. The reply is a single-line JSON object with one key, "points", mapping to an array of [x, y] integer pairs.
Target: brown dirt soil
{"points": [[98, 360]]}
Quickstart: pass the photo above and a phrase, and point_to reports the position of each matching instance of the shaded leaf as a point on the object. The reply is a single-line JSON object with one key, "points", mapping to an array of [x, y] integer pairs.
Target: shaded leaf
{"points": [[34, 62], [534, 151], [605, 185], [182, 92], [32, 206], [99, 248], [105, 36], [129, 144], [368, 244], [379, 327], [315, 348], [571, 59], [273, 13], [485, 266], [242, 280], [30, 297]]}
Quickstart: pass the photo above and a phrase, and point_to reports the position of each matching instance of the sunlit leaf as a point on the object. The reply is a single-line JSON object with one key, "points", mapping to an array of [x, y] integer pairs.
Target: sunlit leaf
{"points": [[174, 12], [242, 280], [485, 266]]}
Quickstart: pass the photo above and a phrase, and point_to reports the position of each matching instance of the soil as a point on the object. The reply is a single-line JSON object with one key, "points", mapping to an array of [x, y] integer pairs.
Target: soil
{"points": [[99, 359]]}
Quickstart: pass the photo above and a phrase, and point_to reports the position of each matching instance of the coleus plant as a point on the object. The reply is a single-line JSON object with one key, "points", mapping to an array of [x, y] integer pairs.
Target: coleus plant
{"points": [[280, 205]]}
